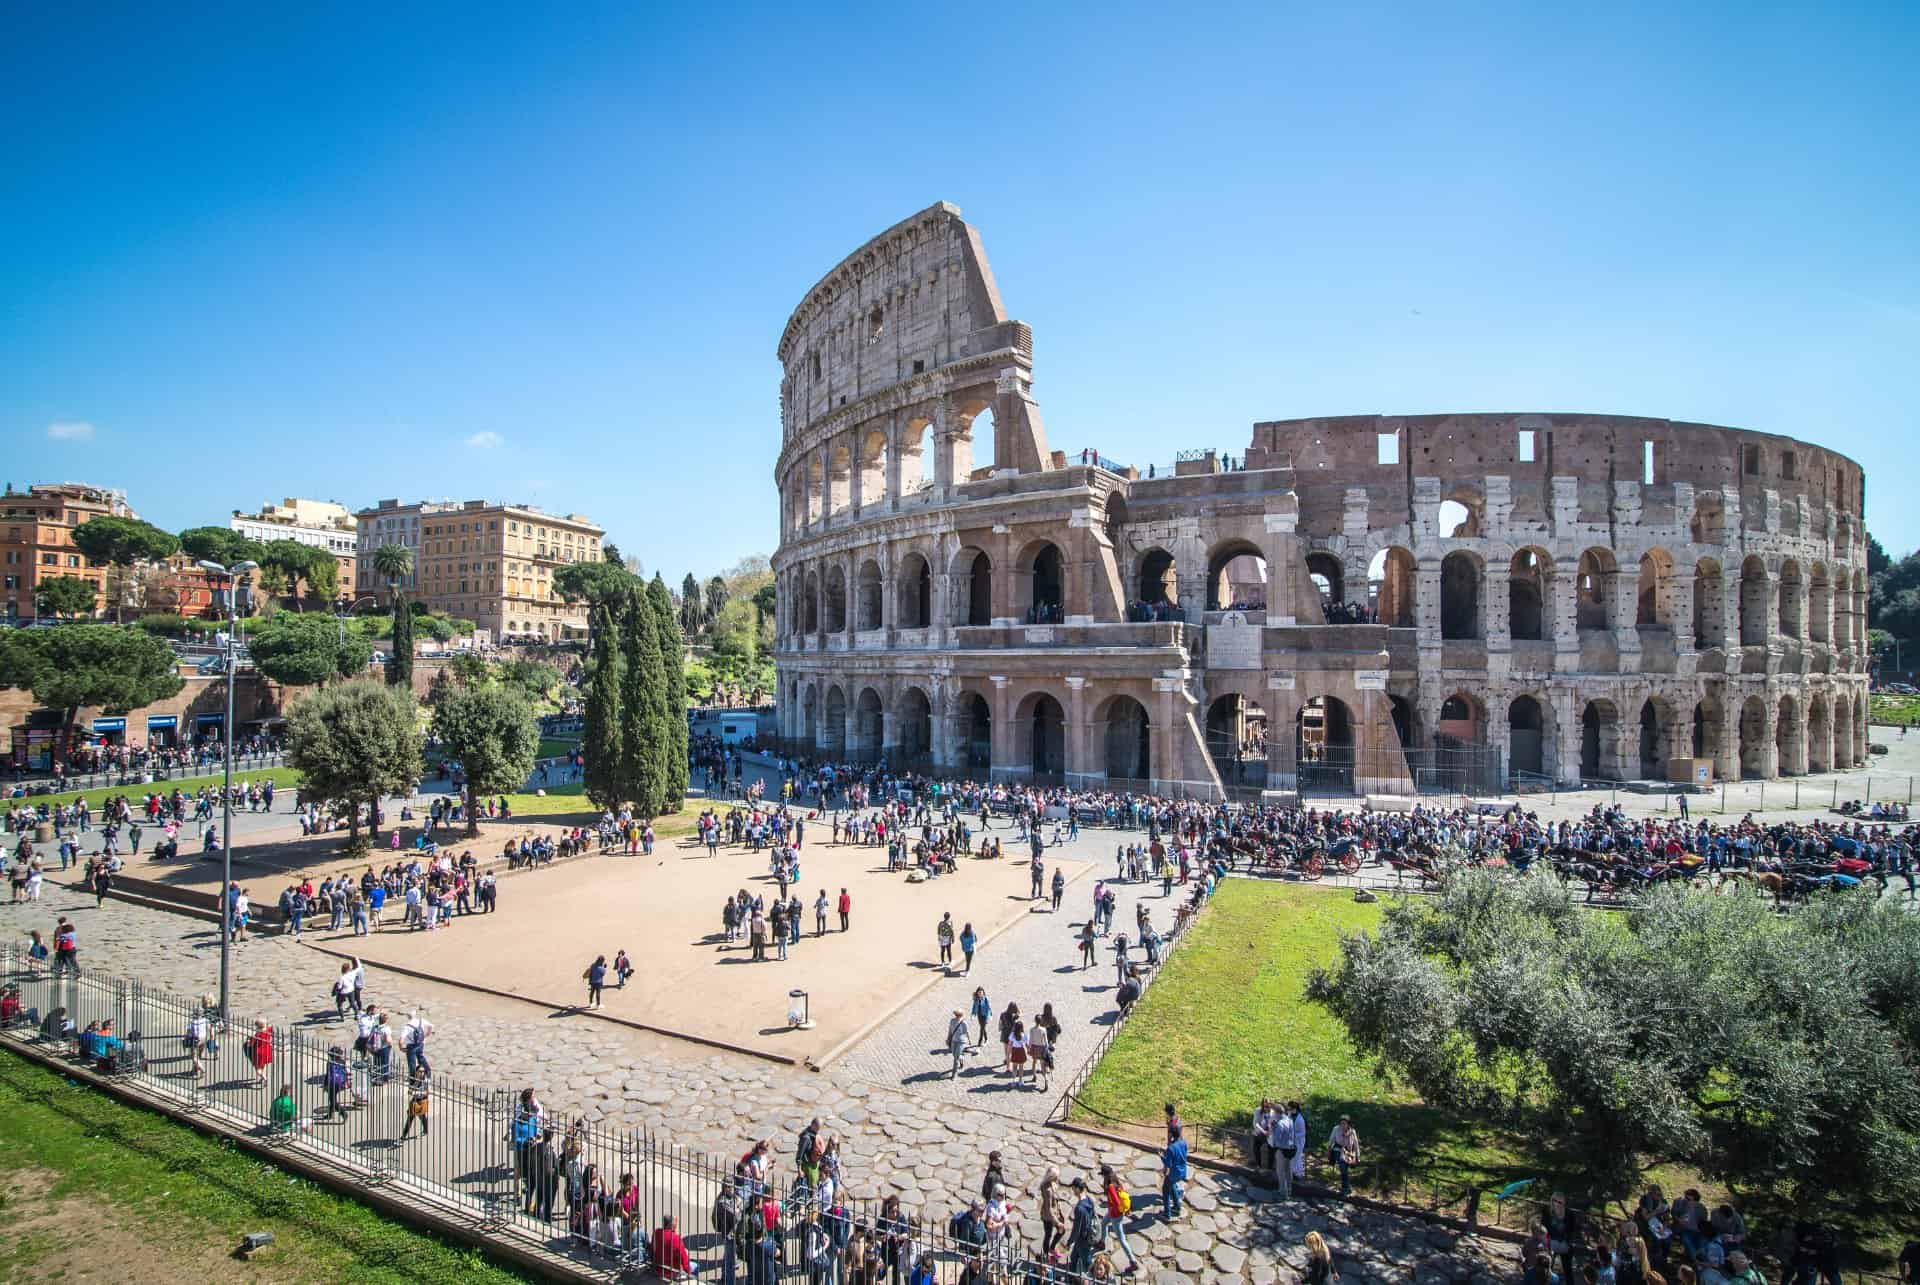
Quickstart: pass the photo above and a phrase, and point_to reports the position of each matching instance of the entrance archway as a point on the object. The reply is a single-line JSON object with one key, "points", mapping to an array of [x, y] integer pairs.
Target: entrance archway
{"points": [[1158, 581], [1237, 738], [914, 607], [1756, 736], [1600, 741], [913, 725], [1460, 595], [976, 731], [1126, 740], [1526, 728], [1651, 768], [1237, 578], [1323, 746], [869, 726], [833, 732], [1041, 726]]}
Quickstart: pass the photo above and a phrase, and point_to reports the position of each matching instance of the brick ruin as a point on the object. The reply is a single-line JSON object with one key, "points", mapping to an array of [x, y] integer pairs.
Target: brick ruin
{"points": [[1361, 604]]}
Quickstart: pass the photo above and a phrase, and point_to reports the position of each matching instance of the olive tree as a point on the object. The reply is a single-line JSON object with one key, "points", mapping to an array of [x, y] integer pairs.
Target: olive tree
{"points": [[353, 743], [493, 734]]}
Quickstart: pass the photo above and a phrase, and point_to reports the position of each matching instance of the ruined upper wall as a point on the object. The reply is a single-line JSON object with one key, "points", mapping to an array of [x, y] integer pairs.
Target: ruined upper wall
{"points": [[1332, 454], [913, 299]]}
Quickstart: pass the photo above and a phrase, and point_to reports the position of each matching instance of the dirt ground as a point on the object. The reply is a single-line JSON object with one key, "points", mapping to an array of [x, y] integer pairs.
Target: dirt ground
{"points": [[76, 1238], [665, 913]]}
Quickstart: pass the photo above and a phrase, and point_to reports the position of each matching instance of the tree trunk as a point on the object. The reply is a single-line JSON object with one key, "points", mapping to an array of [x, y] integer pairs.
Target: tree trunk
{"points": [[373, 819], [473, 817]]}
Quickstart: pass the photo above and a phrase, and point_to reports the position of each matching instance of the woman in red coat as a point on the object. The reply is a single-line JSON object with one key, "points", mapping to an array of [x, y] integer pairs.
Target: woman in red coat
{"points": [[260, 1050]]}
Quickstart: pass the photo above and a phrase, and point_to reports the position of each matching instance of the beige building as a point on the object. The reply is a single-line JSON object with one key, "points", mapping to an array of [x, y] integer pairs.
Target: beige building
{"points": [[321, 524], [493, 564], [36, 540]]}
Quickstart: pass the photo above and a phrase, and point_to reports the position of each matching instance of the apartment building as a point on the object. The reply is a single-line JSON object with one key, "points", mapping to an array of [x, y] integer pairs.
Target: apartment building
{"points": [[36, 540], [319, 523], [391, 522], [490, 563]]}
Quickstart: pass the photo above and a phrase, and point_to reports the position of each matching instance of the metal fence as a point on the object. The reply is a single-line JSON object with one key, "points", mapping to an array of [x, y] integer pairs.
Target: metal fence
{"points": [[135, 777], [570, 1186]]}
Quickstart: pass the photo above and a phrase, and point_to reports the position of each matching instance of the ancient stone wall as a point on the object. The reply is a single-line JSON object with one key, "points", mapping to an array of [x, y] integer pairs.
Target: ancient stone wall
{"points": [[1576, 596]]}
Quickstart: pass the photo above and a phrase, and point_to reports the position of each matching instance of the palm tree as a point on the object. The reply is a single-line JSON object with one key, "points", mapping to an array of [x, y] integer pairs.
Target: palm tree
{"points": [[395, 562]]}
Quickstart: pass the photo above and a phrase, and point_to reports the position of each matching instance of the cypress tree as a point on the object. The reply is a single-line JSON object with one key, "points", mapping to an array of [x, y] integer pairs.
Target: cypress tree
{"points": [[673, 666], [400, 658], [600, 742], [642, 706]]}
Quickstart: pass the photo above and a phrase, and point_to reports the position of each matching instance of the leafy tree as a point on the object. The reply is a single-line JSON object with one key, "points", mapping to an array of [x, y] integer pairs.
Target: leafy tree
{"points": [[610, 552], [593, 582], [323, 577], [353, 743], [471, 669], [673, 759], [68, 596], [123, 542], [716, 597], [1765, 1051], [533, 679], [765, 607], [167, 624], [116, 669], [492, 732], [219, 544], [301, 651], [600, 738], [693, 610], [643, 708], [289, 561]]}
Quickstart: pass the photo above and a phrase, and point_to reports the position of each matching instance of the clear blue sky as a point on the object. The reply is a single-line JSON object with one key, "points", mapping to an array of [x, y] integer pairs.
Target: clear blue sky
{"points": [[544, 252]]}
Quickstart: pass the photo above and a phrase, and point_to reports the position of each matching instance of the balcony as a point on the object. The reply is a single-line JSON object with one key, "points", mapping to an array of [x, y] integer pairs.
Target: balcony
{"points": [[1118, 634]]}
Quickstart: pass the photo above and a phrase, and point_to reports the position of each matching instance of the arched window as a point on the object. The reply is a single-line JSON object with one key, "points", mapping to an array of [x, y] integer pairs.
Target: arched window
{"points": [[1237, 578], [1390, 587], [1329, 577], [1158, 581], [1593, 585], [836, 601], [1527, 619], [1709, 605], [1755, 624], [869, 599], [978, 444], [1460, 596], [1126, 737], [914, 608], [1526, 737], [1653, 591]]}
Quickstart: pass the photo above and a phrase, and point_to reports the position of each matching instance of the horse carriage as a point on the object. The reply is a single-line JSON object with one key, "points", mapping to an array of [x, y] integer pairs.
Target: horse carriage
{"points": [[1304, 859]]}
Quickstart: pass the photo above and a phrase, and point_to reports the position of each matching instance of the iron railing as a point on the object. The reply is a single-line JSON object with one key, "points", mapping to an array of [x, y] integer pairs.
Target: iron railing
{"points": [[133, 778]]}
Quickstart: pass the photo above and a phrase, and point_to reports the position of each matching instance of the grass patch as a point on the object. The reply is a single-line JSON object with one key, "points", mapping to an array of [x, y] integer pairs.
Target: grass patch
{"points": [[193, 1195], [1228, 1024], [553, 749], [1889, 710], [283, 778]]}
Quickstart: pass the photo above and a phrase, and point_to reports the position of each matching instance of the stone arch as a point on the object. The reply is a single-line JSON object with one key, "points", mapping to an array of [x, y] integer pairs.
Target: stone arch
{"points": [[1527, 736], [867, 733], [1653, 594], [917, 469], [839, 478], [1819, 606], [1323, 745], [1390, 586], [1529, 618], [869, 597], [1039, 581], [1236, 734], [973, 726], [1126, 738], [913, 601], [810, 621], [833, 724], [913, 723], [1756, 739], [1654, 723], [1463, 721], [1460, 582], [1157, 581], [1819, 735], [810, 714], [1754, 588], [972, 587], [814, 472], [1040, 734], [1459, 516], [836, 599], [1709, 522], [1709, 605], [1792, 623], [873, 467], [1406, 720], [977, 442], [1328, 576], [1592, 582], [1708, 728], [1600, 741], [1233, 569], [1789, 738]]}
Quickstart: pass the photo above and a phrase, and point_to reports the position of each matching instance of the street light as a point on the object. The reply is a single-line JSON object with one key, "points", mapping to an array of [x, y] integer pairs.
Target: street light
{"points": [[233, 576], [346, 609]]}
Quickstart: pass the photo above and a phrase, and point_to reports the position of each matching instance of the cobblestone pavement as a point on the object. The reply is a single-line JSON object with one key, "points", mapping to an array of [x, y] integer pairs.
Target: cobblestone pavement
{"points": [[897, 1138]]}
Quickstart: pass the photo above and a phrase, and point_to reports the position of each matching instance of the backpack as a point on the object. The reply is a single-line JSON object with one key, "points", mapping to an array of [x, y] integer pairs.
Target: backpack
{"points": [[726, 1212], [1123, 1201], [336, 1075], [525, 1129]]}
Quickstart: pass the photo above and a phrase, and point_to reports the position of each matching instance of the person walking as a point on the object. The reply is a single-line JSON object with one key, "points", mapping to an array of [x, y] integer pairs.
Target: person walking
{"points": [[820, 914], [1084, 1229], [1173, 1178], [596, 979], [968, 940], [1280, 1138], [1086, 945], [846, 909], [757, 934], [943, 934], [956, 1041], [1059, 887], [1119, 1203], [1343, 1147], [982, 1011]]}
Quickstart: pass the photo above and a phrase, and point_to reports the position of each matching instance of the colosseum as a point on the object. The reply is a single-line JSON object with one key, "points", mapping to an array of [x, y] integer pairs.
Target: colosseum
{"points": [[1361, 605]]}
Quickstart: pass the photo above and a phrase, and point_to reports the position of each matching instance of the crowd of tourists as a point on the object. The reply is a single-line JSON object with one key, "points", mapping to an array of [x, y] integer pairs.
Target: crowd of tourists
{"points": [[204, 754]]}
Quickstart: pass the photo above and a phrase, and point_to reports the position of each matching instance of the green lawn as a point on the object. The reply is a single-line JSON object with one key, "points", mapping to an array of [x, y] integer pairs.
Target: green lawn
{"points": [[282, 777], [189, 1196], [553, 749], [1228, 1024], [1893, 711]]}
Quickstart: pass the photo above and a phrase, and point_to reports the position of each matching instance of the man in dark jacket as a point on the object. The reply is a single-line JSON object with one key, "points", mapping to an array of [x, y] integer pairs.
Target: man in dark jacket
{"points": [[969, 1230], [1080, 1236]]}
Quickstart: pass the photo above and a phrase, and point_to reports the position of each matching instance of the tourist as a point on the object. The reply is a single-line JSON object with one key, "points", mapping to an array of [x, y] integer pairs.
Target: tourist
{"points": [[1300, 1136], [596, 979], [968, 940], [283, 1114], [943, 934], [1119, 1203], [258, 1048], [957, 1039], [622, 969], [1343, 1149], [1081, 1238], [1174, 1173], [846, 910], [1319, 1260], [669, 1252], [820, 914], [981, 1011], [1281, 1142], [419, 1104], [1086, 945]]}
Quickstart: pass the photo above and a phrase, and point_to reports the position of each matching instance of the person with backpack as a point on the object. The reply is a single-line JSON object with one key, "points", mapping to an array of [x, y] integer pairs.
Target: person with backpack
{"points": [[1119, 1205], [66, 948], [596, 979], [725, 1220], [528, 1120], [419, 1103], [334, 1080], [413, 1042], [1080, 1237]]}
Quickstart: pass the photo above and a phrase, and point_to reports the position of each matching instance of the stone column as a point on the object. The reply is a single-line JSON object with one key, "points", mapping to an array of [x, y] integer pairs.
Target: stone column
{"points": [[895, 431], [889, 732], [850, 563], [1562, 600], [1565, 734], [1283, 708], [1680, 613], [1166, 756], [1496, 615], [1623, 609], [943, 440], [1074, 752], [856, 480], [1002, 765], [1426, 593]]}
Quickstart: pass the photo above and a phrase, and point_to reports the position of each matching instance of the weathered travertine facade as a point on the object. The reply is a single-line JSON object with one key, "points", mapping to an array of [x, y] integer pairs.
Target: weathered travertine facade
{"points": [[1582, 596]]}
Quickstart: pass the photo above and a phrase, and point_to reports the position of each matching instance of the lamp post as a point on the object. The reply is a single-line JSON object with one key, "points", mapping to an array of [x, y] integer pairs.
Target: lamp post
{"points": [[346, 609], [233, 576]]}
